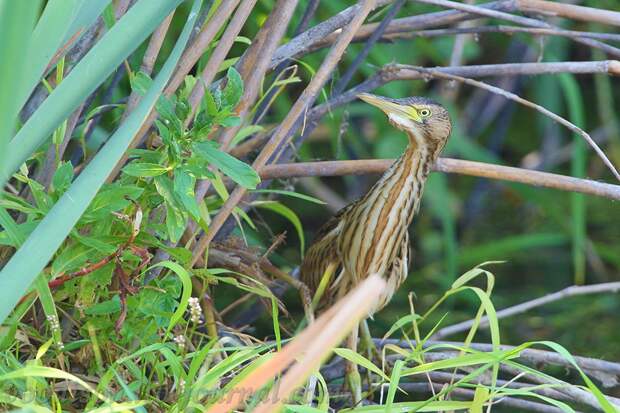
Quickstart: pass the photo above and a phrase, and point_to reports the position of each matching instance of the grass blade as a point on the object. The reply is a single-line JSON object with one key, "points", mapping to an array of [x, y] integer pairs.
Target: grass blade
{"points": [[16, 23], [578, 169]]}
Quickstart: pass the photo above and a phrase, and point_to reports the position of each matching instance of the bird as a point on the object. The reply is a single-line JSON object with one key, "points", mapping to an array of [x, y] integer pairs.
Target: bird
{"points": [[370, 235]]}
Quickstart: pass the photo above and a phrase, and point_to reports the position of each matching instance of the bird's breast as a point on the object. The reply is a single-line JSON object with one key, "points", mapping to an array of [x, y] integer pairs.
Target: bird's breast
{"points": [[374, 231]]}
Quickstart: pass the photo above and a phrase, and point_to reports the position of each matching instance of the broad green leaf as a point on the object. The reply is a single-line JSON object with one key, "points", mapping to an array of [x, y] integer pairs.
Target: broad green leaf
{"points": [[35, 253], [24, 230], [234, 88], [140, 83], [111, 198], [184, 184], [62, 177], [230, 121], [175, 222], [238, 171], [165, 188], [111, 306], [144, 169]]}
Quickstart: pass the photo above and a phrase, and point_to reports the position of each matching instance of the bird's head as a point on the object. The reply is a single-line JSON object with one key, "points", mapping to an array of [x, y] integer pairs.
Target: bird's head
{"points": [[426, 122]]}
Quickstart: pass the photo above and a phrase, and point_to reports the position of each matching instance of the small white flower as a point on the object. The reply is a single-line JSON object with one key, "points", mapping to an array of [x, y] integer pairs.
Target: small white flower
{"points": [[180, 340], [195, 311]]}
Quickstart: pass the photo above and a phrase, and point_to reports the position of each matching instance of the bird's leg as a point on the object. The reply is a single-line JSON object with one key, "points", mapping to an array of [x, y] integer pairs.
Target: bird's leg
{"points": [[369, 344], [354, 381]]}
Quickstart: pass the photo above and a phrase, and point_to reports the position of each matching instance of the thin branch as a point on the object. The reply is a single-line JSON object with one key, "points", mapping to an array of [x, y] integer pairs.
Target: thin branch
{"points": [[392, 72], [571, 11], [306, 99], [264, 105], [255, 62], [575, 290], [501, 29], [525, 21], [458, 166], [303, 42], [445, 377], [252, 67], [311, 124]]}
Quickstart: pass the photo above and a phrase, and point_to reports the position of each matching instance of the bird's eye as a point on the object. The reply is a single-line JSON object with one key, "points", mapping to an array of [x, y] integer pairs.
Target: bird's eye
{"points": [[425, 113]]}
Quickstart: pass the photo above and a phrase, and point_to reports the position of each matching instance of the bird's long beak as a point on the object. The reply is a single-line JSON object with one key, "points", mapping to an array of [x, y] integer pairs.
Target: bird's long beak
{"points": [[390, 107]]}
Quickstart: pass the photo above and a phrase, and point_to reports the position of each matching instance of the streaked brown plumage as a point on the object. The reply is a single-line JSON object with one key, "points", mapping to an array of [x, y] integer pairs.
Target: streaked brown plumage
{"points": [[370, 235]]}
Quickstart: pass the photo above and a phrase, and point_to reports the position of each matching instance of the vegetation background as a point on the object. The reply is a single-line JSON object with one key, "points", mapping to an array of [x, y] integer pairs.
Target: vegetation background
{"points": [[546, 239]]}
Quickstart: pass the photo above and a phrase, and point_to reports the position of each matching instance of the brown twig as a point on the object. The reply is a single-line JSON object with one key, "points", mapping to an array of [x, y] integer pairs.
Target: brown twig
{"points": [[342, 83], [611, 67], [255, 62], [470, 168], [575, 290], [571, 11], [303, 42], [500, 29], [525, 21], [305, 100]]}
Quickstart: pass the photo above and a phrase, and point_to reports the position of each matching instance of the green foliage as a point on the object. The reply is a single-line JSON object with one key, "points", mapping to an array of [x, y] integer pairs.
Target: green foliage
{"points": [[186, 155]]}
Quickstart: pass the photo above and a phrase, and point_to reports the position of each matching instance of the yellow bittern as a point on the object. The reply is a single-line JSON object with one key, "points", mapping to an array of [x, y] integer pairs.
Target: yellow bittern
{"points": [[369, 236]]}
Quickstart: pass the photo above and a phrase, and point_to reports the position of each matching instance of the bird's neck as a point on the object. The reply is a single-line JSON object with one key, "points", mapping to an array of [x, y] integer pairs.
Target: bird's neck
{"points": [[407, 175], [416, 162]]}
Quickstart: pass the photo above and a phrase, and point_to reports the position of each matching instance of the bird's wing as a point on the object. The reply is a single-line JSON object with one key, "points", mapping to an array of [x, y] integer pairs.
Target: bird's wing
{"points": [[398, 271], [324, 251]]}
